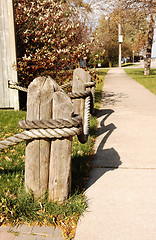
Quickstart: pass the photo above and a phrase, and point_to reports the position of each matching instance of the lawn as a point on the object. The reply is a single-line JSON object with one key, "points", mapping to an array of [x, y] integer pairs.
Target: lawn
{"points": [[147, 81], [17, 206]]}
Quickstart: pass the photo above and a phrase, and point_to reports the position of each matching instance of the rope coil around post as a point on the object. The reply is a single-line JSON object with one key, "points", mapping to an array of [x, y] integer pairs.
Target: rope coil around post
{"points": [[65, 128], [66, 84], [83, 137], [64, 131], [40, 134], [90, 84], [82, 94], [59, 123], [53, 129]]}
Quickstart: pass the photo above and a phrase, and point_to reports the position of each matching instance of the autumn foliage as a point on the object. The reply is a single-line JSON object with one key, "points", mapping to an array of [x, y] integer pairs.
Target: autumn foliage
{"points": [[49, 39]]}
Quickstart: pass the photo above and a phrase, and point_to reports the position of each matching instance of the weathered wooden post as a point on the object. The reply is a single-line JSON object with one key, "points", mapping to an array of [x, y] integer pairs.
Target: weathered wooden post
{"points": [[61, 152], [48, 163], [39, 107], [80, 78]]}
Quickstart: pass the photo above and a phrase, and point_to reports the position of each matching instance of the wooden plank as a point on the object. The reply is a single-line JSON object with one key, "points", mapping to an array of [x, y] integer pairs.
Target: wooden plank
{"points": [[61, 150], [6, 54], [8, 97], [2, 90], [39, 106], [1, 77], [11, 53]]}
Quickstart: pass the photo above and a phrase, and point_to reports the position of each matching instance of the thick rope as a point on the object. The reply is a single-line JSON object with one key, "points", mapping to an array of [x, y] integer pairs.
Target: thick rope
{"points": [[90, 84], [57, 133], [82, 94], [54, 129], [59, 123], [66, 84], [83, 137], [14, 85], [40, 134], [86, 117]]}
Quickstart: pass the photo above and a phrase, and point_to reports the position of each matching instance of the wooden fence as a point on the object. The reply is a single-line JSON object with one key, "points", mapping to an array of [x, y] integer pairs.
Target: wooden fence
{"points": [[53, 118]]}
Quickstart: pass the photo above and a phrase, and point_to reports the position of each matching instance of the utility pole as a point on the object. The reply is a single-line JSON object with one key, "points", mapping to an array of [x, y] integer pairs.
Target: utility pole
{"points": [[120, 34], [120, 41], [133, 56]]}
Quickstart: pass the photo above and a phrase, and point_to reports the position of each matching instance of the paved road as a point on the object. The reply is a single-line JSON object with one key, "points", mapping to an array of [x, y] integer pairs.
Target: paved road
{"points": [[122, 185]]}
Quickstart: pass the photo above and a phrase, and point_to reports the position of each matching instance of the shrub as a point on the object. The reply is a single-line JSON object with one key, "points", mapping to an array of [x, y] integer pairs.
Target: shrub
{"points": [[49, 39]]}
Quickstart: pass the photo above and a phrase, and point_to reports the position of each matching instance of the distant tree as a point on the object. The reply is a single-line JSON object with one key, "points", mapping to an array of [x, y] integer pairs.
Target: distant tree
{"points": [[152, 11], [106, 37], [134, 28], [144, 7]]}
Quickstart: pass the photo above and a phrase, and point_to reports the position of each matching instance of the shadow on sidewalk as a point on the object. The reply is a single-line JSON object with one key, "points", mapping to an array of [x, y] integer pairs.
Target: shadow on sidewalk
{"points": [[105, 159], [111, 98]]}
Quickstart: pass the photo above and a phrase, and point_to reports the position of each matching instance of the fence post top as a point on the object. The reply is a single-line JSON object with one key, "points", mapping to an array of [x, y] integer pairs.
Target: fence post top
{"points": [[41, 82], [64, 103], [82, 75]]}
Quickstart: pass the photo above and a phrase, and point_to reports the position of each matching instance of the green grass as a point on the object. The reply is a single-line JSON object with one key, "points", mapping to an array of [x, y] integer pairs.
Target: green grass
{"points": [[17, 206], [99, 85], [147, 81]]}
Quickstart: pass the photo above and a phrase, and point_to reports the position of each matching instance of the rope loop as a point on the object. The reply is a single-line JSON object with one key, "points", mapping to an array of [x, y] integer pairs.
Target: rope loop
{"points": [[90, 84], [54, 129], [40, 134], [66, 84], [52, 124], [83, 137], [82, 94]]}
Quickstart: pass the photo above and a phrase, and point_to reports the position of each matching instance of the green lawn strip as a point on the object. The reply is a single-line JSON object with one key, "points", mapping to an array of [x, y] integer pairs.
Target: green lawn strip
{"points": [[99, 85], [147, 81], [17, 206], [127, 65]]}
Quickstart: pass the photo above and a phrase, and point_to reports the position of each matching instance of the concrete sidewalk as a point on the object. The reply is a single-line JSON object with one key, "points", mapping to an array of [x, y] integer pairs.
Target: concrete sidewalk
{"points": [[24, 232], [121, 191]]}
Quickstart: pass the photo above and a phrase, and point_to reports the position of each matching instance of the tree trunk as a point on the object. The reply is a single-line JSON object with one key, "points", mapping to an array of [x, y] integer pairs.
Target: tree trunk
{"points": [[149, 45], [110, 64]]}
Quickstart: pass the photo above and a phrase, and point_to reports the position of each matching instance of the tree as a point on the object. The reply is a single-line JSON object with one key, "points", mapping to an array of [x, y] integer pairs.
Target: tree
{"points": [[49, 39], [107, 38], [134, 27], [145, 7], [151, 9]]}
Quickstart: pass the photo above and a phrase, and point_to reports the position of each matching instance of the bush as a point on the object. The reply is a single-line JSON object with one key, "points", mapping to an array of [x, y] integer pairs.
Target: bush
{"points": [[49, 39]]}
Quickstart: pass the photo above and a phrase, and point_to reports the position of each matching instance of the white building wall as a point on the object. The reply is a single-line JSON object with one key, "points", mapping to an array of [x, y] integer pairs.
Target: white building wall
{"points": [[8, 97]]}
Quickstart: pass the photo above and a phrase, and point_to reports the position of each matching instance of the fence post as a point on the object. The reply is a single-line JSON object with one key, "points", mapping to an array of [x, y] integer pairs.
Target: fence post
{"points": [[80, 78], [48, 163], [61, 152], [39, 107]]}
